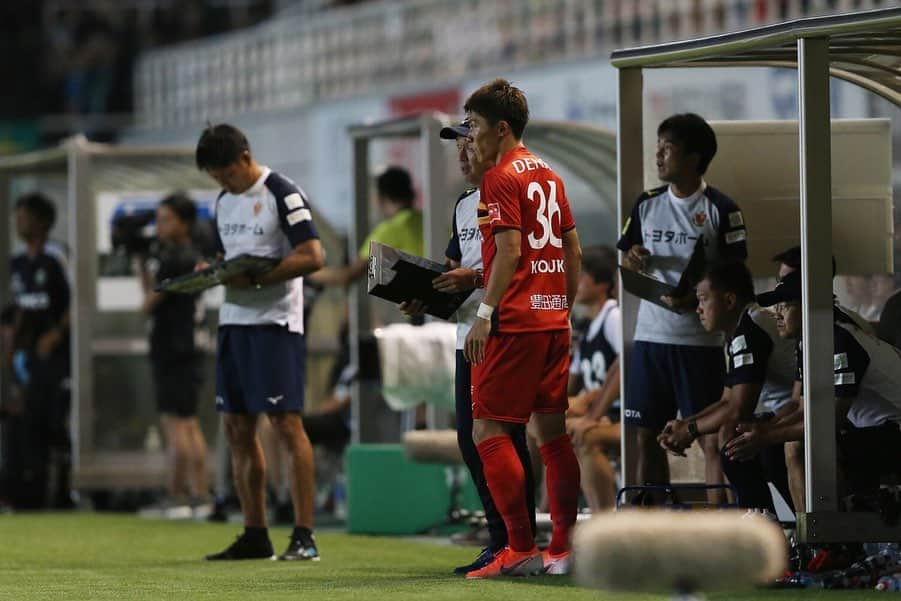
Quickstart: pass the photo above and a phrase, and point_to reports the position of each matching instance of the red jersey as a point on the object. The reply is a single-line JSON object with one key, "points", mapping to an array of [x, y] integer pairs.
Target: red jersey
{"points": [[522, 192]]}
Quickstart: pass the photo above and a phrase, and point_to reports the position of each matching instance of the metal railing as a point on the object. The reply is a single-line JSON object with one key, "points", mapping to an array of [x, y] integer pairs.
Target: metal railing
{"points": [[294, 59]]}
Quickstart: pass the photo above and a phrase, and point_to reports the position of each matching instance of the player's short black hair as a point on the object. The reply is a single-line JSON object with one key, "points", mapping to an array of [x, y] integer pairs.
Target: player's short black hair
{"points": [[220, 146], [183, 207], [792, 258], [731, 275], [395, 184], [40, 206], [599, 262], [498, 101], [693, 134]]}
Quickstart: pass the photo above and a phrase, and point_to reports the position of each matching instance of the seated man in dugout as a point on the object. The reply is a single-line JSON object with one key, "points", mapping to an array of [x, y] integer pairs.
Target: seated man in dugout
{"points": [[594, 414], [759, 382], [866, 400]]}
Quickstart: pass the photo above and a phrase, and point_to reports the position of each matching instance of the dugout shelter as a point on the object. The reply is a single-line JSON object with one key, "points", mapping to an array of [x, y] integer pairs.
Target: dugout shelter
{"points": [[863, 48], [105, 385]]}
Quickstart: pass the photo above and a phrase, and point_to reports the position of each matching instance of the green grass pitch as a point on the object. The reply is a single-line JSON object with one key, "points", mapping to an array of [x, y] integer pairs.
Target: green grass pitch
{"points": [[117, 557]]}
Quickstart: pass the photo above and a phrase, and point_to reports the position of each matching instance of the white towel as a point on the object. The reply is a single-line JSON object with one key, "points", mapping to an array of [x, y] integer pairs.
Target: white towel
{"points": [[418, 364]]}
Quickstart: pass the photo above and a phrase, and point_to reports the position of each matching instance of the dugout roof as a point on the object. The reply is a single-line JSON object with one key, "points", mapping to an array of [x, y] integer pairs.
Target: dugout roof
{"points": [[864, 48]]}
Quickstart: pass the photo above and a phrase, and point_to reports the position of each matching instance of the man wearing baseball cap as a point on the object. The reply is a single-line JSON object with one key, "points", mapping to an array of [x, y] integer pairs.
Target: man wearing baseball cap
{"points": [[867, 397], [464, 257]]}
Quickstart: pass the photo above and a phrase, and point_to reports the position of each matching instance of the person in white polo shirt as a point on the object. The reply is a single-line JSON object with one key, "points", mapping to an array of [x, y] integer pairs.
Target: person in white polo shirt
{"points": [[261, 349], [676, 365]]}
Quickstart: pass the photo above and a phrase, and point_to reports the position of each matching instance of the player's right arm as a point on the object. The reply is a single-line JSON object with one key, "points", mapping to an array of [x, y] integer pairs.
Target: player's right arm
{"points": [[509, 249], [502, 195]]}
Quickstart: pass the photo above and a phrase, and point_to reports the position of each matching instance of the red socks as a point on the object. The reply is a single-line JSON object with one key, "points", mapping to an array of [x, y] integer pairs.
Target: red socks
{"points": [[562, 488], [507, 483]]}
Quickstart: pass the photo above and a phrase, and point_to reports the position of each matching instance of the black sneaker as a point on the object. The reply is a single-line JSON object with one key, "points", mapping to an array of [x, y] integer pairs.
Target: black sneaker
{"points": [[245, 547], [300, 550], [485, 557]]}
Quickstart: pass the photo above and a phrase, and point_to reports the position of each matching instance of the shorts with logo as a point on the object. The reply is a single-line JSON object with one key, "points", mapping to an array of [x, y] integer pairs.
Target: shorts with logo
{"points": [[664, 378], [521, 374], [259, 369]]}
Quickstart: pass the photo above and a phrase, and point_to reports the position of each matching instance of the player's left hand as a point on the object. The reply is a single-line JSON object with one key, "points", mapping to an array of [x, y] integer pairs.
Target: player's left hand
{"points": [[681, 304], [748, 442], [48, 342], [675, 437], [474, 348], [413, 308], [455, 280]]}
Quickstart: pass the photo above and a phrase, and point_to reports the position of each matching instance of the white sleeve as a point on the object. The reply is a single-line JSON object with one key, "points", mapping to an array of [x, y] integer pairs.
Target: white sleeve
{"points": [[613, 330]]}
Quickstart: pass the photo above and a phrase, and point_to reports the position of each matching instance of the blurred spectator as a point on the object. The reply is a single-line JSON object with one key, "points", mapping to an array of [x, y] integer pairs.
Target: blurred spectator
{"points": [[36, 445], [173, 356], [401, 228], [91, 65], [594, 410], [77, 58]]}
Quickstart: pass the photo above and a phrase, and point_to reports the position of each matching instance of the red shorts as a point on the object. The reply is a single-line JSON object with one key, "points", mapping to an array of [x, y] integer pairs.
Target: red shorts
{"points": [[521, 374]]}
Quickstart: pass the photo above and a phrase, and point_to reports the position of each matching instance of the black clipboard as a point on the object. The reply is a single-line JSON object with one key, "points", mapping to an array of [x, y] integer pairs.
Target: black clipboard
{"points": [[216, 274], [651, 289], [398, 276]]}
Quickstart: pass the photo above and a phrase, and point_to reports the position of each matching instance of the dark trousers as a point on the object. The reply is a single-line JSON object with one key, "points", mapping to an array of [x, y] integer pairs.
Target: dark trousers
{"points": [[36, 444], [750, 478], [868, 454], [463, 393]]}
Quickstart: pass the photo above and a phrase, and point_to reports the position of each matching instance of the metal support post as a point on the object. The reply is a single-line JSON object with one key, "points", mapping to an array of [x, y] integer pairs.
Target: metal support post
{"points": [[630, 164], [83, 240], [816, 248], [359, 318]]}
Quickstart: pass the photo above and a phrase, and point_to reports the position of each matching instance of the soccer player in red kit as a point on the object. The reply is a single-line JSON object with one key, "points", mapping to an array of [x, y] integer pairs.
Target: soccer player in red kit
{"points": [[519, 345]]}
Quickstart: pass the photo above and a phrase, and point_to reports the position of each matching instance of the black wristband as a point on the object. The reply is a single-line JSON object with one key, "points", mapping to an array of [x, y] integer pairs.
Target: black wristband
{"points": [[693, 429]]}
